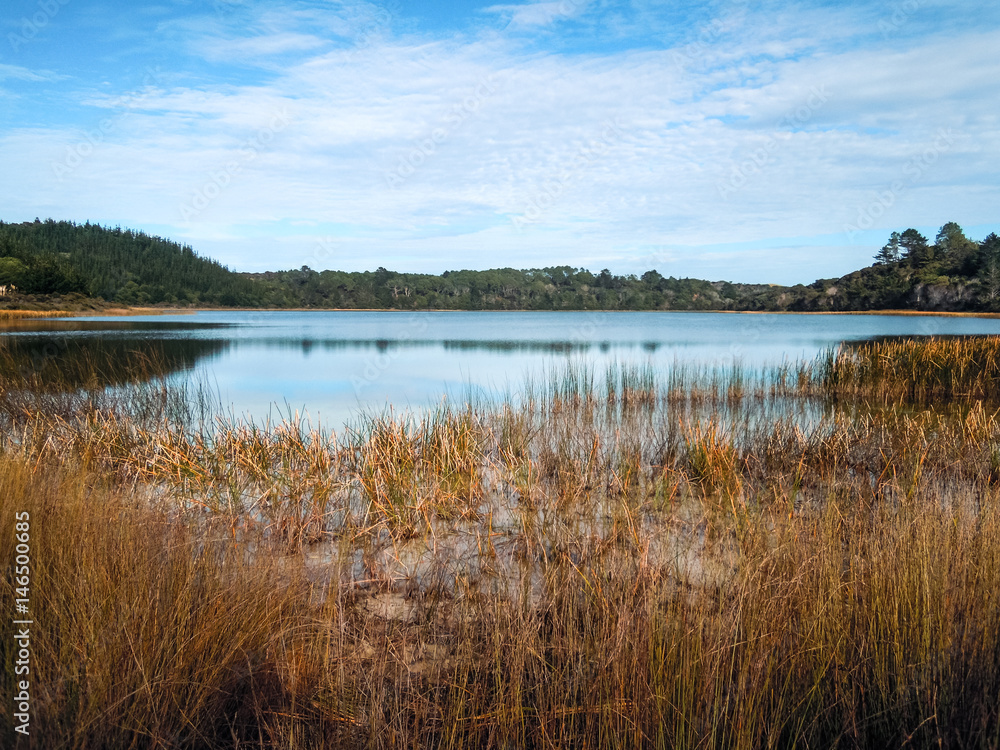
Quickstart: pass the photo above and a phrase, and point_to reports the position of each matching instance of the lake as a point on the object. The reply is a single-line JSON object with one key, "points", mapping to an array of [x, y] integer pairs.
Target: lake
{"points": [[333, 365]]}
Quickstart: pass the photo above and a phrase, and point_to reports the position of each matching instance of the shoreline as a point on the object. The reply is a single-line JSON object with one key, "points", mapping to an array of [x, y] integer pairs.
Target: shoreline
{"points": [[22, 314], [189, 311]]}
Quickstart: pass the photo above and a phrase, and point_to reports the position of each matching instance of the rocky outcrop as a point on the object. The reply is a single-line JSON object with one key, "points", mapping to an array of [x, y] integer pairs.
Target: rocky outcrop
{"points": [[945, 297]]}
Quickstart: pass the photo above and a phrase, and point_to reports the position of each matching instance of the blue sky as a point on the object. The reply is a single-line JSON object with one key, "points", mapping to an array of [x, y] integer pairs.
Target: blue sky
{"points": [[764, 141]]}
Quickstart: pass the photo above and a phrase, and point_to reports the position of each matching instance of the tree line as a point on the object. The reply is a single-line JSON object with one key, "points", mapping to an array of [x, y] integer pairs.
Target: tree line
{"points": [[126, 267]]}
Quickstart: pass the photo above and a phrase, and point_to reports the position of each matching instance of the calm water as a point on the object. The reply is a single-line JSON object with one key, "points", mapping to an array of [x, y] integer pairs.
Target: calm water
{"points": [[333, 364]]}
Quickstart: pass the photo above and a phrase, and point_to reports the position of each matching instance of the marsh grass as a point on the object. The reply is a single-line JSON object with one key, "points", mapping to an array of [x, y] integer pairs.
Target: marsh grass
{"points": [[22, 314], [689, 559], [952, 367]]}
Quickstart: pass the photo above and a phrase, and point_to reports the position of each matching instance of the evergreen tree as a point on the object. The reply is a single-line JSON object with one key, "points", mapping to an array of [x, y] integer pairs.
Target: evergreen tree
{"points": [[989, 270], [915, 248], [955, 250], [889, 252]]}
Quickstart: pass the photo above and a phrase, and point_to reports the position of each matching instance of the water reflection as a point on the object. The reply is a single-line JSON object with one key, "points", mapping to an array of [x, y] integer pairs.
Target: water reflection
{"points": [[457, 345], [71, 362], [336, 364], [15, 326]]}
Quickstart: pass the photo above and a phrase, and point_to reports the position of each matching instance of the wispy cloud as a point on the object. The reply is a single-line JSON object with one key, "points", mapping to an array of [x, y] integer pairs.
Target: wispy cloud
{"points": [[17, 73], [529, 15]]}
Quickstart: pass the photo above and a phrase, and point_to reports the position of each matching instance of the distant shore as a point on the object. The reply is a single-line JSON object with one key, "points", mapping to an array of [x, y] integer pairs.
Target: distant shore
{"points": [[128, 311], [28, 314]]}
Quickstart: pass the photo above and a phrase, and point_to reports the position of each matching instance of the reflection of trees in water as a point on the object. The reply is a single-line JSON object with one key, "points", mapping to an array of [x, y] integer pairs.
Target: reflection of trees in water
{"points": [[58, 362], [485, 345]]}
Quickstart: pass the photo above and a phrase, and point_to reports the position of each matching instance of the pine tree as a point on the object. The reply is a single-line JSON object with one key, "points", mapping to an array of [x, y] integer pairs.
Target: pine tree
{"points": [[889, 252]]}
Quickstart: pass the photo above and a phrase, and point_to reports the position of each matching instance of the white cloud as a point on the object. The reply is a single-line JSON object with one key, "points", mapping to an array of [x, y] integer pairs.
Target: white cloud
{"points": [[530, 15], [18, 73]]}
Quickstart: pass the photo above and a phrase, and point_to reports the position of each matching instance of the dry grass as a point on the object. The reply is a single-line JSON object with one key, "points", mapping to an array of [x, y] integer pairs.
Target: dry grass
{"points": [[729, 560], [21, 314], [966, 367]]}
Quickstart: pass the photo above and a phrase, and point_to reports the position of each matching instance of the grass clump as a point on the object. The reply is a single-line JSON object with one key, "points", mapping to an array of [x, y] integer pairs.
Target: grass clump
{"points": [[955, 367], [146, 633]]}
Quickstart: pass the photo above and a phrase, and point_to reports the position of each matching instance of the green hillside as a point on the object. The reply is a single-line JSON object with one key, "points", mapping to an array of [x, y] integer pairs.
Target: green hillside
{"points": [[554, 288], [952, 273], [116, 265]]}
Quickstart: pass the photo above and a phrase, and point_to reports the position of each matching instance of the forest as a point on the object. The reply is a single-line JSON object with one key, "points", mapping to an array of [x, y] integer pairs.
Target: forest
{"points": [[115, 265], [46, 260]]}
